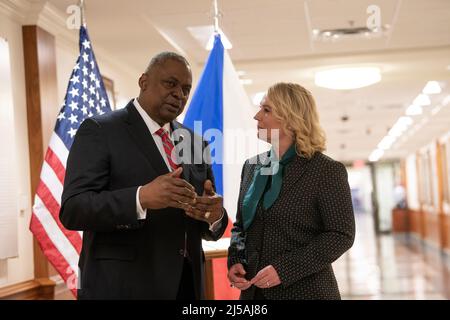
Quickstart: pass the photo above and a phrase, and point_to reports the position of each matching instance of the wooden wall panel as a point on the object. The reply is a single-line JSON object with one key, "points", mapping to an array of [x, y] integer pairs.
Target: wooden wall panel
{"points": [[445, 227], [41, 91], [400, 220], [38, 289], [432, 226], [415, 221]]}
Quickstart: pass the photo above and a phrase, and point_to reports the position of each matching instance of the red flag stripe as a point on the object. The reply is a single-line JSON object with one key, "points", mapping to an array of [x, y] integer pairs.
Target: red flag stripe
{"points": [[53, 161], [53, 207], [52, 253]]}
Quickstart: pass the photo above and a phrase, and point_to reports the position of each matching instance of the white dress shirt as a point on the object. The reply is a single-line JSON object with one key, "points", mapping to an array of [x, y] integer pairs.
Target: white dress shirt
{"points": [[153, 127]]}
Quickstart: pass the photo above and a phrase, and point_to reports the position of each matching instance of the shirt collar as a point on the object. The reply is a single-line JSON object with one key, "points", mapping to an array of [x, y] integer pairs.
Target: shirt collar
{"points": [[152, 125]]}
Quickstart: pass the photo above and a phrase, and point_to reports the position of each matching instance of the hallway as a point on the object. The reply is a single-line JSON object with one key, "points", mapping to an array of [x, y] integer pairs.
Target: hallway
{"points": [[391, 267]]}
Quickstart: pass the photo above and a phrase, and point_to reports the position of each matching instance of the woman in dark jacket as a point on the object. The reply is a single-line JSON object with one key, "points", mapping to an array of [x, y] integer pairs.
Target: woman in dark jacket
{"points": [[295, 214]]}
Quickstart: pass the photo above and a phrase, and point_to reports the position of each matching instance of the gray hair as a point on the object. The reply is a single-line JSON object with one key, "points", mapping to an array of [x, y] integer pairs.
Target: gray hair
{"points": [[162, 57]]}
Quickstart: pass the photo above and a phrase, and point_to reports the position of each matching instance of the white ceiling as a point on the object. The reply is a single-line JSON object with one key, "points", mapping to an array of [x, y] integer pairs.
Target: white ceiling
{"points": [[272, 41]]}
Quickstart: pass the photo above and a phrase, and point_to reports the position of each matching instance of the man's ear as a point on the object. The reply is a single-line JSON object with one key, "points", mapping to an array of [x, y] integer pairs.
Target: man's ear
{"points": [[143, 81]]}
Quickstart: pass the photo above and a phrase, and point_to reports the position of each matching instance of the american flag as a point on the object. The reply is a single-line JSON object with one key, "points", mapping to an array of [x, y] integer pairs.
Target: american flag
{"points": [[85, 97]]}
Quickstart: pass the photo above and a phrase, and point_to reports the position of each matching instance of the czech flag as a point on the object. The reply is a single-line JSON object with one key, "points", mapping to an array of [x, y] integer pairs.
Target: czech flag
{"points": [[220, 103]]}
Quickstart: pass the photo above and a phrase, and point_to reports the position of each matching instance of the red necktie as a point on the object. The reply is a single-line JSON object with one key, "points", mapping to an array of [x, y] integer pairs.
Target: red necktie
{"points": [[168, 147]]}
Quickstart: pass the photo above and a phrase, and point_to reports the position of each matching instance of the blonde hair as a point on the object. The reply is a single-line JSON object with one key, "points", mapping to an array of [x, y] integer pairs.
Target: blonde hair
{"points": [[296, 108]]}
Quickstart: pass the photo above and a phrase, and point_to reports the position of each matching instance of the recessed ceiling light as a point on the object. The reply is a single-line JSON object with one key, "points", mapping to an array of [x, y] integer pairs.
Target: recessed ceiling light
{"points": [[446, 101], [436, 109], [347, 78], [400, 126], [414, 110], [386, 143], [405, 121], [422, 100], [432, 87], [376, 155]]}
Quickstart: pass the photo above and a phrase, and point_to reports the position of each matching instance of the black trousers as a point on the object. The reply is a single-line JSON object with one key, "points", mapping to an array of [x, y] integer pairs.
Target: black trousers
{"points": [[186, 290]]}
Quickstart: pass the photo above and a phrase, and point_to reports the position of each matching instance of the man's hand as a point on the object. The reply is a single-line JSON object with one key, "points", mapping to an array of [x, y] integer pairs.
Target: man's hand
{"points": [[168, 190], [236, 277], [266, 278], [208, 207]]}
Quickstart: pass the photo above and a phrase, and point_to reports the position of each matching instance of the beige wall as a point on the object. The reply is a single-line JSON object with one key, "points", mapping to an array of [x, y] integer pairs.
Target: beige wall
{"points": [[21, 268]]}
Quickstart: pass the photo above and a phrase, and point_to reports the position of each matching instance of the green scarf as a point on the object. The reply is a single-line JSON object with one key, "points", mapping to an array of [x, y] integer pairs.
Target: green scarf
{"points": [[275, 169]]}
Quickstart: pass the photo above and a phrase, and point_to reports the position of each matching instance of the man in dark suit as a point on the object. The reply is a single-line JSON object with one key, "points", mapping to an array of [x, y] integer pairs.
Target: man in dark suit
{"points": [[142, 214]]}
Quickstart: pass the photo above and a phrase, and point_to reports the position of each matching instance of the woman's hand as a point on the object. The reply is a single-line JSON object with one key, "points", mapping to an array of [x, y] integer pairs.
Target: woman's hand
{"points": [[236, 277], [266, 278]]}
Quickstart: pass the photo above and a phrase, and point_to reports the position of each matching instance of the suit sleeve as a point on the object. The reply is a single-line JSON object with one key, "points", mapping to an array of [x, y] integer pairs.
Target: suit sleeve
{"points": [[335, 208], [237, 251], [207, 234], [87, 202]]}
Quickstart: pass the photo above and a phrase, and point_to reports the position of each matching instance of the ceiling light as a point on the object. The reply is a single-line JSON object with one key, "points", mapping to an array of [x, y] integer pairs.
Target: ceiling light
{"points": [[376, 155], [396, 131], [349, 32], [405, 121], [436, 109], [422, 100], [347, 78], [414, 110], [432, 87], [446, 101], [386, 143], [400, 126]]}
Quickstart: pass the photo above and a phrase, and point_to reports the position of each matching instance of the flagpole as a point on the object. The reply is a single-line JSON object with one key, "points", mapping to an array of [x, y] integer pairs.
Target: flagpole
{"points": [[83, 19], [216, 17]]}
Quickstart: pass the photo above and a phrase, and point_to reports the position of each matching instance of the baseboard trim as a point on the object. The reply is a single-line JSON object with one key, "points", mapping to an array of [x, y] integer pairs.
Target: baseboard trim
{"points": [[37, 289]]}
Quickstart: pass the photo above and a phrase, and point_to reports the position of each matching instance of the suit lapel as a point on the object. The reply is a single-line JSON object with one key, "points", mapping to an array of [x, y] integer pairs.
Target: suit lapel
{"points": [[143, 138], [294, 171]]}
